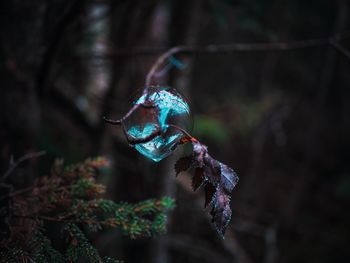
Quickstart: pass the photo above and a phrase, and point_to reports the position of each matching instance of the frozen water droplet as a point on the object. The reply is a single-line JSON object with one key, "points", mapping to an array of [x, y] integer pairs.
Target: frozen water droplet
{"points": [[170, 108]]}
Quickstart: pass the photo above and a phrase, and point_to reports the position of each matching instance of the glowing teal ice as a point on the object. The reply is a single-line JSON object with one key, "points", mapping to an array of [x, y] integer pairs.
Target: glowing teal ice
{"points": [[156, 149], [169, 104]]}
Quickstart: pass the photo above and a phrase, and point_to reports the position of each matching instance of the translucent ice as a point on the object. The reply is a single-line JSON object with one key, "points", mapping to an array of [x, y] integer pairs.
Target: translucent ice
{"points": [[170, 108]]}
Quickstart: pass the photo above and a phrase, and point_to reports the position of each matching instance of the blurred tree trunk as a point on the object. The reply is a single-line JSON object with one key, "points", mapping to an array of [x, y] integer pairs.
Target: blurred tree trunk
{"points": [[20, 58], [305, 174], [129, 28], [184, 26]]}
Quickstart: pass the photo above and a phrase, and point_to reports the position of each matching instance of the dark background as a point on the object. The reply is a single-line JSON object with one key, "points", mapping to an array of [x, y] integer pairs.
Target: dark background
{"points": [[279, 118]]}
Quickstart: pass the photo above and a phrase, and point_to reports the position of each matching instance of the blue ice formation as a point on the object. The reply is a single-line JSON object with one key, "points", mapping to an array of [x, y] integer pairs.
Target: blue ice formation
{"points": [[171, 107]]}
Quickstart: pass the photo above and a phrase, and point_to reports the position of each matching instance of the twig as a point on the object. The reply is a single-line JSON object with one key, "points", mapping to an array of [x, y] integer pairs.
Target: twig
{"points": [[189, 136], [132, 140], [110, 121], [237, 47], [14, 165], [340, 48], [251, 47], [161, 60], [146, 105], [157, 132], [229, 48]]}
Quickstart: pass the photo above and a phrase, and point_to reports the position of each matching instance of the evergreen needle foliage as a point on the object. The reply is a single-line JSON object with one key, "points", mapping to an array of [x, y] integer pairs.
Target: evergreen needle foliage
{"points": [[70, 199]]}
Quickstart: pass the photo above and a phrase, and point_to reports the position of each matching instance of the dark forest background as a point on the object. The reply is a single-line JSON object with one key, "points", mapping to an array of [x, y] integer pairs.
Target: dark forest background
{"points": [[279, 118]]}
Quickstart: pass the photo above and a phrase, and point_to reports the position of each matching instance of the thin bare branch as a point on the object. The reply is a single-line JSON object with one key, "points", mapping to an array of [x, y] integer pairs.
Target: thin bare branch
{"points": [[165, 56], [245, 47], [227, 48], [130, 111], [25, 157], [340, 48], [110, 121], [189, 136], [148, 138]]}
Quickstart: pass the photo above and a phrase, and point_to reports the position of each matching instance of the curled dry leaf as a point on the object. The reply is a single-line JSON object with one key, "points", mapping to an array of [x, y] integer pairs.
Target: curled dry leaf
{"points": [[217, 178]]}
